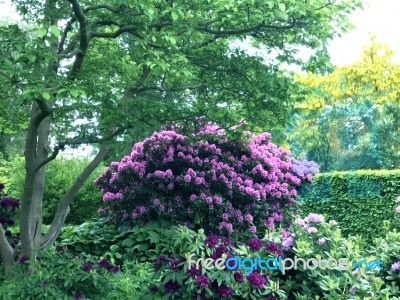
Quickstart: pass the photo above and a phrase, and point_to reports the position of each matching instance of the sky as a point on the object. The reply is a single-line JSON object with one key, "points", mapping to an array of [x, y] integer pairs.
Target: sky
{"points": [[379, 17]]}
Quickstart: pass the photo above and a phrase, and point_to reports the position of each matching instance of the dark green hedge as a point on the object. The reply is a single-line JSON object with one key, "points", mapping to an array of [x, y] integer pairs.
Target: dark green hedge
{"points": [[359, 201]]}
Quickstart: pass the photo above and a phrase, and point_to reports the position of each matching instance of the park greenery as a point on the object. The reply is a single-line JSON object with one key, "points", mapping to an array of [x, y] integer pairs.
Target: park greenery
{"points": [[196, 147]]}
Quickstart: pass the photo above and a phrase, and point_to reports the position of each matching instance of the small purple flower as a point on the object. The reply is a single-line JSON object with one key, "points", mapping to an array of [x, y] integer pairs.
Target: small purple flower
{"points": [[211, 241], [218, 200], [171, 287], [187, 178], [253, 229], [398, 209], [257, 280], [198, 180], [78, 295], [153, 289], [332, 222], [87, 267], [321, 241], [194, 272], [192, 197], [225, 291], [101, 210], [287, 243], [312, 230], [315, 218], [239, 277], [23, 259], [248, 218], [203, 281], [255, 244], [395, 266], [353, 290], [60, 249], [272, 247]]}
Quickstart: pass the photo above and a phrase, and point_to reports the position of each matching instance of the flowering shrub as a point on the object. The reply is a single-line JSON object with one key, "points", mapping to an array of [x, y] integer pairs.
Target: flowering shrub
{"points": [[223, 185], [178, 281], [325, 241]]}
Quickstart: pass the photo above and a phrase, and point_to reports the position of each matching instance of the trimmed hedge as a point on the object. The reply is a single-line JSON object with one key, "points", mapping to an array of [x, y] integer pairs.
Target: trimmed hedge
{"points": [[360, 201]]}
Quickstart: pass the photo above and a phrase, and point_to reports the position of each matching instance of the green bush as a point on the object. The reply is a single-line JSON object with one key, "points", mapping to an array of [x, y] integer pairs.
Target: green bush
{"points": [[60, 175], [59, 274], [360, 201]]}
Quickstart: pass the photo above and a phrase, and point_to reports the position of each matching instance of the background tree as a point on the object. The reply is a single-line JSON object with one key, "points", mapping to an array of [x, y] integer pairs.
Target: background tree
{"points": [[89, 72], [345, 118]]}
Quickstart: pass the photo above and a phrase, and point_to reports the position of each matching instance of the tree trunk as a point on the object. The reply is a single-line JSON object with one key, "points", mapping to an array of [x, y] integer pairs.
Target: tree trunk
{"points": [[7, 253]]}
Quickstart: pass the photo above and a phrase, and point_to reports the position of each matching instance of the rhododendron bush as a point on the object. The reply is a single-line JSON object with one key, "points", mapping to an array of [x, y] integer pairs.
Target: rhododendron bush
{"points": [[205, 180]]}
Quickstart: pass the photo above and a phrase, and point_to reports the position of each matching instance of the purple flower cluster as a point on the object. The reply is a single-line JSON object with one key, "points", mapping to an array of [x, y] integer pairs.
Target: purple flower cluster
{"points": [[307, 224], [257, 280], [239, 187], [304, 169], [104, 263], [395, 267], [203, 281], [274, 248], [225, 291], [87, 267], [255, 244], [171, 287]]}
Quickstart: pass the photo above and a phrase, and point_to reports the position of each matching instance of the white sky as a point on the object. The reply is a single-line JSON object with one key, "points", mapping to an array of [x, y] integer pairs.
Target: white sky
{"points": [[381, 18]]}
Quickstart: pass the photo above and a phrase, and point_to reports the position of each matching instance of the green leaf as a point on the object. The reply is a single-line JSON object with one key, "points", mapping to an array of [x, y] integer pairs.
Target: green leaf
{"points": [[41, 32], [46, 95], [54, 30], [174, 15], [74, 93]]}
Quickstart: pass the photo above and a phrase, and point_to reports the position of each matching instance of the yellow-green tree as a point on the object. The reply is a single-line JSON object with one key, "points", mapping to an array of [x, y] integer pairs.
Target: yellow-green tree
{"points": [[375, 76], [343, 120]]}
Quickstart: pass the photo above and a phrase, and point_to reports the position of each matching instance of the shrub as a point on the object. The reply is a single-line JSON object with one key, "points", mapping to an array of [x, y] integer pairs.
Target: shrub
{"points": [[209, 181], [360, 201], [178, 281], [60, 274], [61, 174]]}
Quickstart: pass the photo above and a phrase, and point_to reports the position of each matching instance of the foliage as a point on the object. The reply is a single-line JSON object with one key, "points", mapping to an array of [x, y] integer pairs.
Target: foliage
{"points": [[59, 274], [63, 172], [348, 119], [213, 182], [178, 281], [374, 77], [321, 240], [360, 201]]}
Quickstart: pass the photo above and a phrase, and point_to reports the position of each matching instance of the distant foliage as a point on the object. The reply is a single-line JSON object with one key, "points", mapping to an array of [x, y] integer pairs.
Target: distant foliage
{"points": [[63, 173], [226, 186]]}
